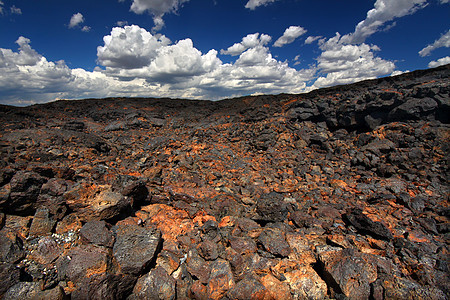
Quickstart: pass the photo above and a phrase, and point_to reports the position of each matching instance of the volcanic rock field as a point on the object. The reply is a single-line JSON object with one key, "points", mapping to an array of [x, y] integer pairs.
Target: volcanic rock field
{"points": [[341, 193]]}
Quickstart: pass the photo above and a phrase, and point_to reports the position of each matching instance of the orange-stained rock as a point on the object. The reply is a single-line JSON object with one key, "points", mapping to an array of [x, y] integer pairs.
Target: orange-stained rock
{"points": [[172, 222], [277, 289], [99, 202], [220, 279], [69, 223], [352, 271], [305, 283]]}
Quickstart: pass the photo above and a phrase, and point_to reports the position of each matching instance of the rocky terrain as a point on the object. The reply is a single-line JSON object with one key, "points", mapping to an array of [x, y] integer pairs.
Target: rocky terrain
{"points": [[341, 193]]}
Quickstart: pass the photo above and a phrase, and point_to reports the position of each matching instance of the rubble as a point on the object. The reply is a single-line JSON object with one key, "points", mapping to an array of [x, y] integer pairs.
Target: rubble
{"points": [[341, 193]]}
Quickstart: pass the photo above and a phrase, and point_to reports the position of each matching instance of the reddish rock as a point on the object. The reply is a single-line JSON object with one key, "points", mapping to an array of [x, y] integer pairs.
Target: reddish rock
{"points": [[96, 202], [47, 251], [197, 266], [208, 250], [157, 284], [42, 224], [11, 247], [135, 247], [220, 279], [274, 242], [347, 271], [249, 288], [278, 290], [243, 245], [97, 233]]}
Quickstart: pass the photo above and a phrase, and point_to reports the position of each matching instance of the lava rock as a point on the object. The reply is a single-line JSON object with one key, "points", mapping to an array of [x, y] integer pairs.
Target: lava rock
{"points": [[135, 247], [97, 233]]}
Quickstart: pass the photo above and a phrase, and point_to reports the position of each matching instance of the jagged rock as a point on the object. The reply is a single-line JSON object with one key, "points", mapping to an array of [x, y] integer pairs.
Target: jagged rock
{"points": [[278, 290], [367, 225], [92, 202], [42, 223], [208, 250], [24, 191], [249, 288], [31, 290], [9, 276], [271, 208], [220, 279], [47, 251], [135, 247], [347, 272], [305, 283], [97, 233], [274, 242], [11, 247], [243, 245], [197, 266], [157, 284], [81, 262]]}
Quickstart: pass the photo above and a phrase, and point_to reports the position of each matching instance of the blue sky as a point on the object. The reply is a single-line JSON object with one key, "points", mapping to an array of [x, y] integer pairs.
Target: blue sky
{"points": [[210, 49]]}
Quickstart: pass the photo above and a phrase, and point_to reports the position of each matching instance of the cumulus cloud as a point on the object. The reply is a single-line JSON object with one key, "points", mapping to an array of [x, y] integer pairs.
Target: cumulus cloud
{"points": [[289, 35], [252, 4], [76, 20], [445, 1], [1, 7], [249, 41], [346, 63], [16, 10], [439, 62], [157, 8], [384, 11], [443, 41]]}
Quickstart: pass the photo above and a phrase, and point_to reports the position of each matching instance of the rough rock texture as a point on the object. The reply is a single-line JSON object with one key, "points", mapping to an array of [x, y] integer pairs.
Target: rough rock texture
{"points": [[341, 193]]}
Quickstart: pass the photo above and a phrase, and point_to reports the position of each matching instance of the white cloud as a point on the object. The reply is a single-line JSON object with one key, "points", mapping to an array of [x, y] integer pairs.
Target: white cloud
{"points": [[130, 47], [439, 62], [445, 1], [289, 35], [311, 39], [383, 11], [86, 29], [252, 4], [249, 41], [344, 63], [16, 10], [443, 41], [76, 20], [157, 8]]}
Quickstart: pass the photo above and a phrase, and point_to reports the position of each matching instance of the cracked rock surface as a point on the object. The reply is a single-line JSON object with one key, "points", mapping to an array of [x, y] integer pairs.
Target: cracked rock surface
{"points": [[341, 193]]}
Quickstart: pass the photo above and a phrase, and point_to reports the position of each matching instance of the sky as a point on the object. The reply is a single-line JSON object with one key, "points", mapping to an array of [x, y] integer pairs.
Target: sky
{"points": [[210, 49]]}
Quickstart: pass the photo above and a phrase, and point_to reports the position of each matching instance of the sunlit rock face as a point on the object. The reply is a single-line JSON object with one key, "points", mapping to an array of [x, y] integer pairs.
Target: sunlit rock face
{"points": [[341, 193]]}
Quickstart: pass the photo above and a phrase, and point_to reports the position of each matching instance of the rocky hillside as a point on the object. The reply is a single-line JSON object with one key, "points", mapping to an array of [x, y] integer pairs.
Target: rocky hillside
{"points": [[342, 193]]}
